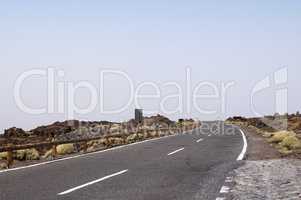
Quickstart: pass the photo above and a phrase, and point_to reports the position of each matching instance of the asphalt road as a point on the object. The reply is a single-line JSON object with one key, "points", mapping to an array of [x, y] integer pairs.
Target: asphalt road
{"points": [[187, 166]]}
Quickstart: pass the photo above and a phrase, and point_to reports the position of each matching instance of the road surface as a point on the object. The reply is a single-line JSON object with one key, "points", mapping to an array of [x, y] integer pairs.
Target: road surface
{"points": [[187, 166]]}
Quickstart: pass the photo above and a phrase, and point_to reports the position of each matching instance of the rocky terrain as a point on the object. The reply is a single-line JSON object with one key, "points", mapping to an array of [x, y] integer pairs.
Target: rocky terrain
{"points": [[154, 126], [74, 129], [283, 132], [291, 122]]}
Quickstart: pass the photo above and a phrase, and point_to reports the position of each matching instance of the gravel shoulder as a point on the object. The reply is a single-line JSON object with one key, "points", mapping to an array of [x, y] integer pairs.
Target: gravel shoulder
{"points": [[268, 179], [266, 174]]}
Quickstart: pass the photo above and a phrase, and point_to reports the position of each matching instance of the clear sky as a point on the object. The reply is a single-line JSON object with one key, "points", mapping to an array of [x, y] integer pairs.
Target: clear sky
{"points": [[220, 41]]}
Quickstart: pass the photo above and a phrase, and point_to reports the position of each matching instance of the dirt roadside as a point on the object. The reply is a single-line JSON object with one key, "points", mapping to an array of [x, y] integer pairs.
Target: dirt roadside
{"points": [[266, 173], [258, 147]]}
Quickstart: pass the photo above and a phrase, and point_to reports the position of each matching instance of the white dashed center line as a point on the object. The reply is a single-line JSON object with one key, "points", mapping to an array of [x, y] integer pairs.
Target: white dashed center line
{"points": [[176, 151], [199, 140], [92, 182]]}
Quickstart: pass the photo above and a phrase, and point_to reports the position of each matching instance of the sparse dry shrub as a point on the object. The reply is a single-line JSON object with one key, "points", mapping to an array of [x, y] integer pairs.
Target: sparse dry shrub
{"points": [[131, 138], [140, 136], [84, 130], [116, 141], [153, 134], [3, 155], [20, 155], [267, 134], [280, 136], [64, 149], [91, 148], [47, 154], [91, 143], [95, 143], [285, 151], [27, 154], [291, 143], [102, 141], [146, 135], [32, 154], [115, 128]]}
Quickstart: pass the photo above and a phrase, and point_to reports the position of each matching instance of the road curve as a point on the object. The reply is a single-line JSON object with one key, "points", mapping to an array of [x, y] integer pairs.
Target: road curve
{"points": [[187, 166]]}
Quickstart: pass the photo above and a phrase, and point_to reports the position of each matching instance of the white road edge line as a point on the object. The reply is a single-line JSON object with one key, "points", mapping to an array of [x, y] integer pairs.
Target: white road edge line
{"points": [[176, 151], [241, 156], [199, 140], [220, 198], [83, 155], [92, 182], [244, 149]]}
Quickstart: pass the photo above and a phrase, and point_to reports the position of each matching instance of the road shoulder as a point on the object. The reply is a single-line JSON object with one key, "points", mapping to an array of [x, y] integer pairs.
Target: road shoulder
{"points": [[265, 174], [258, 147]]}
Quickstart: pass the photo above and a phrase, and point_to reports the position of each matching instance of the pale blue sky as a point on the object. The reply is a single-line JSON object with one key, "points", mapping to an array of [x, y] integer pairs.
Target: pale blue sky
{"points": [[225, 41]]}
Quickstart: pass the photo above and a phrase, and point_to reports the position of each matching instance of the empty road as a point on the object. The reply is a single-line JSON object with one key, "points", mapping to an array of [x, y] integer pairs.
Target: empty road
{"points": [[187, 166]]}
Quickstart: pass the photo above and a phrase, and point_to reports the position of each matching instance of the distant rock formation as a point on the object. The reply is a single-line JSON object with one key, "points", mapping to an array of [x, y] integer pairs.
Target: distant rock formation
{"points": [[75, 129]]}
